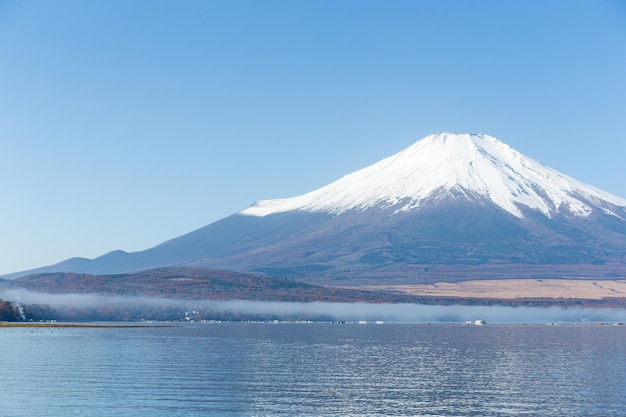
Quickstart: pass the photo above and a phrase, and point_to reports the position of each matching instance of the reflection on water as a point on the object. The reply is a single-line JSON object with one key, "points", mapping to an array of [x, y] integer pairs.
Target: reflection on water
{"points": [[236, 369]]}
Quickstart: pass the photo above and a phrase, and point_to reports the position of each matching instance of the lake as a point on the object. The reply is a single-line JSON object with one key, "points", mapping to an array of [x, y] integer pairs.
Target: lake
{"points": [[315, 369]]}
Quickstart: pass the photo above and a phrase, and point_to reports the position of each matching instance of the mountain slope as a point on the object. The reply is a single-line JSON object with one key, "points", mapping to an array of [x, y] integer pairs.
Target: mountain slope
{"points": [[193, 284], [450, 207]]}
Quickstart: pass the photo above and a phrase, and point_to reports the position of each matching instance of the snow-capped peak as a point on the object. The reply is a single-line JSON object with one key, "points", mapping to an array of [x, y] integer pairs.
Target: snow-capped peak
{"points": [[473, 164]]}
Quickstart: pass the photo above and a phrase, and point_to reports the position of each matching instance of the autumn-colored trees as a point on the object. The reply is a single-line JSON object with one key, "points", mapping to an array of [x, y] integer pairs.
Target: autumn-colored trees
{"points": [[17, 312]]}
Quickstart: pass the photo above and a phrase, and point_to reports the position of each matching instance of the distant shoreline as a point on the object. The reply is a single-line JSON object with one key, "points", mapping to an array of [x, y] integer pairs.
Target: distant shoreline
{"points": [[77, 325]]}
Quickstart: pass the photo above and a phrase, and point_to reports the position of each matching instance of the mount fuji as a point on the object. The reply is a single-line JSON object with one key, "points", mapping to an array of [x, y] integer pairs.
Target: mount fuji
{"points": [[450, 207]]}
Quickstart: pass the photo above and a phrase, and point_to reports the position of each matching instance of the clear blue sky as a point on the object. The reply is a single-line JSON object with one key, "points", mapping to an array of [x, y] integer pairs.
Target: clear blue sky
{"points": [[127, 123]]}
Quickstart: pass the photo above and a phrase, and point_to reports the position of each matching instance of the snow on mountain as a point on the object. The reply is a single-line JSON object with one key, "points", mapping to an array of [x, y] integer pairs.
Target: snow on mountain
{"points": [[469, 164]]}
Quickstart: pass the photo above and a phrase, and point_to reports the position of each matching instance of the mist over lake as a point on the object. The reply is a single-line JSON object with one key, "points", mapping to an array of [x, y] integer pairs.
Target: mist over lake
{"points": [[324, 311]]}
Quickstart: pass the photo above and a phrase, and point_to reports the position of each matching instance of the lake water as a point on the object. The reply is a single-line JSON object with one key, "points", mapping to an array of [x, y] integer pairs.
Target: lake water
{"points": [[315, 369]]}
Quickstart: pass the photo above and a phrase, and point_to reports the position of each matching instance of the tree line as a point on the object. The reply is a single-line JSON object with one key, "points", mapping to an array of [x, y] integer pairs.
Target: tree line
{"points": [[17, 312]]}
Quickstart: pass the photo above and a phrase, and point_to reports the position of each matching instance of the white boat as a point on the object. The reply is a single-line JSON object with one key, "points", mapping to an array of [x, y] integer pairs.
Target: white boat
{"points": [[480, 322]]}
